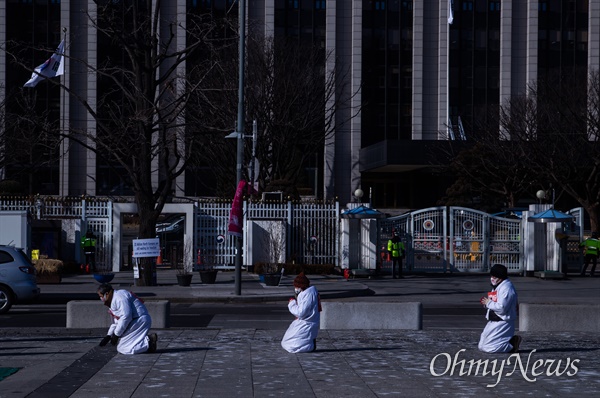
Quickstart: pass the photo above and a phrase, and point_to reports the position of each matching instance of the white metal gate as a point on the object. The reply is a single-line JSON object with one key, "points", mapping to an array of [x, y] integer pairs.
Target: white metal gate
{"points": [[455, 239]]}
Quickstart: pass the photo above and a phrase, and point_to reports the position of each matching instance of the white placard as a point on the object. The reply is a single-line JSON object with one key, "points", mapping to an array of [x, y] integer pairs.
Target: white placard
{"points": [[146, 247]]}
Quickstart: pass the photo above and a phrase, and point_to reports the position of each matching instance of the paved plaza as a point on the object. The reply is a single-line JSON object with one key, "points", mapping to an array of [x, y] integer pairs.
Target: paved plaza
{"points": [[249, 362]]}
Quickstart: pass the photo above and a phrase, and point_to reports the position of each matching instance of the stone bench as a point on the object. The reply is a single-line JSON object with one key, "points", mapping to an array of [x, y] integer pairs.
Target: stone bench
{"points": [[361, 315], [94, 314], [559, 317]]}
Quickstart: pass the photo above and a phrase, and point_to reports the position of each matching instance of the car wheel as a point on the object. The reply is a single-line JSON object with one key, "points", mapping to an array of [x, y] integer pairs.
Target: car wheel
{"points": [[6, 299]]}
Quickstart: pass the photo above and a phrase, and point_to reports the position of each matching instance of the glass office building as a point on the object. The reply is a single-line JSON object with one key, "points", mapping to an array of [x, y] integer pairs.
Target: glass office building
{"points": [[409, 74]]}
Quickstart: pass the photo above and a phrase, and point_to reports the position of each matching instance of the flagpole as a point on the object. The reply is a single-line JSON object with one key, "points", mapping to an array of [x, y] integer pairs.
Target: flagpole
{"points": [[65, 143], [450, 21]]}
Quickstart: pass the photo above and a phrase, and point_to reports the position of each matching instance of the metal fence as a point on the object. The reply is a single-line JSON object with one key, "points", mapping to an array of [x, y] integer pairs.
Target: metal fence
{"points": [[437, 239], [310, 231]]}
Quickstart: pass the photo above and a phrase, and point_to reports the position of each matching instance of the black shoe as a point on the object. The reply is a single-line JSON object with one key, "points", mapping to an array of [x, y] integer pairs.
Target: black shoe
{"points": [[515, 341], [153, 339], [314, 345]]}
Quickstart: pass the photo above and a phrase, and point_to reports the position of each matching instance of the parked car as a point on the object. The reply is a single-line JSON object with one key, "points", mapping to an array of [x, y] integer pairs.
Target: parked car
{"points": [[17, 278]]}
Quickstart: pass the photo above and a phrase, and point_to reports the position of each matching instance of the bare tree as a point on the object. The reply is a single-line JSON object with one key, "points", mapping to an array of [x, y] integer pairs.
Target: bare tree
{"points": [[143, 92], [293, 98], [563, 147]]}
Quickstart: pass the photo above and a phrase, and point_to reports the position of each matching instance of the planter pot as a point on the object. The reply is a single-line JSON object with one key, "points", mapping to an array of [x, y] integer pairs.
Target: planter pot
{"points": [[208, 277], [272, 279], [104, 278], [184, 279]]}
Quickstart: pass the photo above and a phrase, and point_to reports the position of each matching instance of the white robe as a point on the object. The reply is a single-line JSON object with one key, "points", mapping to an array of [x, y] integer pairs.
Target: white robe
{"points": [[131, 322], [300, 334], [496, 335]]}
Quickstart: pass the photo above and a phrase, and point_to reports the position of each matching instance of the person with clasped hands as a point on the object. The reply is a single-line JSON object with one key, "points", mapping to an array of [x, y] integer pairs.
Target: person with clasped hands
{"points": [[131, 322], [501, 304], [301, 335]]}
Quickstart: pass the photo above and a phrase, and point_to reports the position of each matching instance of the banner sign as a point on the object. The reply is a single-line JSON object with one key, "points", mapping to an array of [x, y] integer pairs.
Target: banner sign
{"points": [[146, 247], [236, 216]]}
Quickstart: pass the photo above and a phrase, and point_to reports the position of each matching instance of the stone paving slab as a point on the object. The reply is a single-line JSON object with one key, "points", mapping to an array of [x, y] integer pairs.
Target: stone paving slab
{"points": [[348, 363]]}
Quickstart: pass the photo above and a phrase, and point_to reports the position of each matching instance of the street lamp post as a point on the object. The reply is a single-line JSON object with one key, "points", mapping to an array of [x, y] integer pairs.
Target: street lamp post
{"points": [[240, 137]]}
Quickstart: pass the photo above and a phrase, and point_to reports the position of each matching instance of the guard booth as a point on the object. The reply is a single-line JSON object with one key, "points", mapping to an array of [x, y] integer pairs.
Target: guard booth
{"points": [[358, 241], [551, 241]]}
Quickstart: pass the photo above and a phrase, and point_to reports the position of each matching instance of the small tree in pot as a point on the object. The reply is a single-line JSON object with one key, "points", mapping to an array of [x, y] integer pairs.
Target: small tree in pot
{"points": [[273, 240], [184, 267]]}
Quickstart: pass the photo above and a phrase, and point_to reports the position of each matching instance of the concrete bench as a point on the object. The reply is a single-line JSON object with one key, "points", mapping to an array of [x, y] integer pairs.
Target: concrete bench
{"points": [[94, 314], [559, 317], [361, 315]]}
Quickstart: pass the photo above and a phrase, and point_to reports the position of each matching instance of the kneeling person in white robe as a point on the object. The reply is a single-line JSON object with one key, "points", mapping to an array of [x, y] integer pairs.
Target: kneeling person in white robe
{"points": [[501, 303], [301, 335], [131, 321]]}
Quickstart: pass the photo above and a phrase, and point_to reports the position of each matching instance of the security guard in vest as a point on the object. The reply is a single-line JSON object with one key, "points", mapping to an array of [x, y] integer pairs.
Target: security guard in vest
{"points": [[591, 247], [88, 244], [396, 250]]}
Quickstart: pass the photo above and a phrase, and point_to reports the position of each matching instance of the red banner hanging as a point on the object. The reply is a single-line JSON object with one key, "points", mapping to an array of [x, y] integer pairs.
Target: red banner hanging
{"points": [[236, 216]]}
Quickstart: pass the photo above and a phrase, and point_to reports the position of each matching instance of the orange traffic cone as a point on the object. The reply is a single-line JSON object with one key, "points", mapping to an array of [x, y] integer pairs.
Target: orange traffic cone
{"points": [[346, 273], [159, 258]]}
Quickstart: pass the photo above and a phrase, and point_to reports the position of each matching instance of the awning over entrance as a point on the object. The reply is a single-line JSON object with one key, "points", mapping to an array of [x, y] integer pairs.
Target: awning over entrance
{"points": [[362, 212], [550, 215]]}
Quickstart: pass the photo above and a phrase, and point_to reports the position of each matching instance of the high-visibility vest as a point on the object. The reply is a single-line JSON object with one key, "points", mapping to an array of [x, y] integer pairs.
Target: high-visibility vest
{"points": [[88, 244], [591, 246], [396, 248]]}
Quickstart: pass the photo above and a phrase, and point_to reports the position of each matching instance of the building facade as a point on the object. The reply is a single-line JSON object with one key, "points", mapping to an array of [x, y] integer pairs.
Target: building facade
{"points": [[412, 78]]}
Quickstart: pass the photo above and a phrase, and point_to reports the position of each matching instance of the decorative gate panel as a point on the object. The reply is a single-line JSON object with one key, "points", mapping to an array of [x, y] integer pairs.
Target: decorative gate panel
{"points": [[467, 240], [505, 243], [427, 241]]}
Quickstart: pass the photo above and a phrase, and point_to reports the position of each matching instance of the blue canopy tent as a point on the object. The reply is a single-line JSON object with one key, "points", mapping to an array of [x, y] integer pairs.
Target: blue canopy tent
{"points": [[550, 215], [362, 212]]}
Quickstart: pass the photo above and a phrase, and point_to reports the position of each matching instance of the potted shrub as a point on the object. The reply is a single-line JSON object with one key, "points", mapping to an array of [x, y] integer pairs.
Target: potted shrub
{"points": [[184, 268], [103, 272], [274, 242], [269, 273], [206, 269]]}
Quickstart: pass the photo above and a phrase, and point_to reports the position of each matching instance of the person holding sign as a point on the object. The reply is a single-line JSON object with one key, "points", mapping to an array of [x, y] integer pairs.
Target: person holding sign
{"points": [[131, 322], [501, 304]]}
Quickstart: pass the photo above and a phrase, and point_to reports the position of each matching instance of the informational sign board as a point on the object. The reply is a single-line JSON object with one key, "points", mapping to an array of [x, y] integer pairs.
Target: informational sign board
{"points": [[146, 247]]}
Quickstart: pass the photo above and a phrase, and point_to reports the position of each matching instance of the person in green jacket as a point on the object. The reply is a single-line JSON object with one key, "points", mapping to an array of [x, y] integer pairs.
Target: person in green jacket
{"points": [[396, 250], [591, 247], [88, 244]]}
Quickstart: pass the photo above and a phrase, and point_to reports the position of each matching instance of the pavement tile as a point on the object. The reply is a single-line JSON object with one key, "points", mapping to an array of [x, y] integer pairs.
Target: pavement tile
{"points": [[249, 362]]}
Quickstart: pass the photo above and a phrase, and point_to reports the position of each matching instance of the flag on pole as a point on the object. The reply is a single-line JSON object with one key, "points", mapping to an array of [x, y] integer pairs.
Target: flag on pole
{"points": [[236, 216], [450, 13], [51, 68]]}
